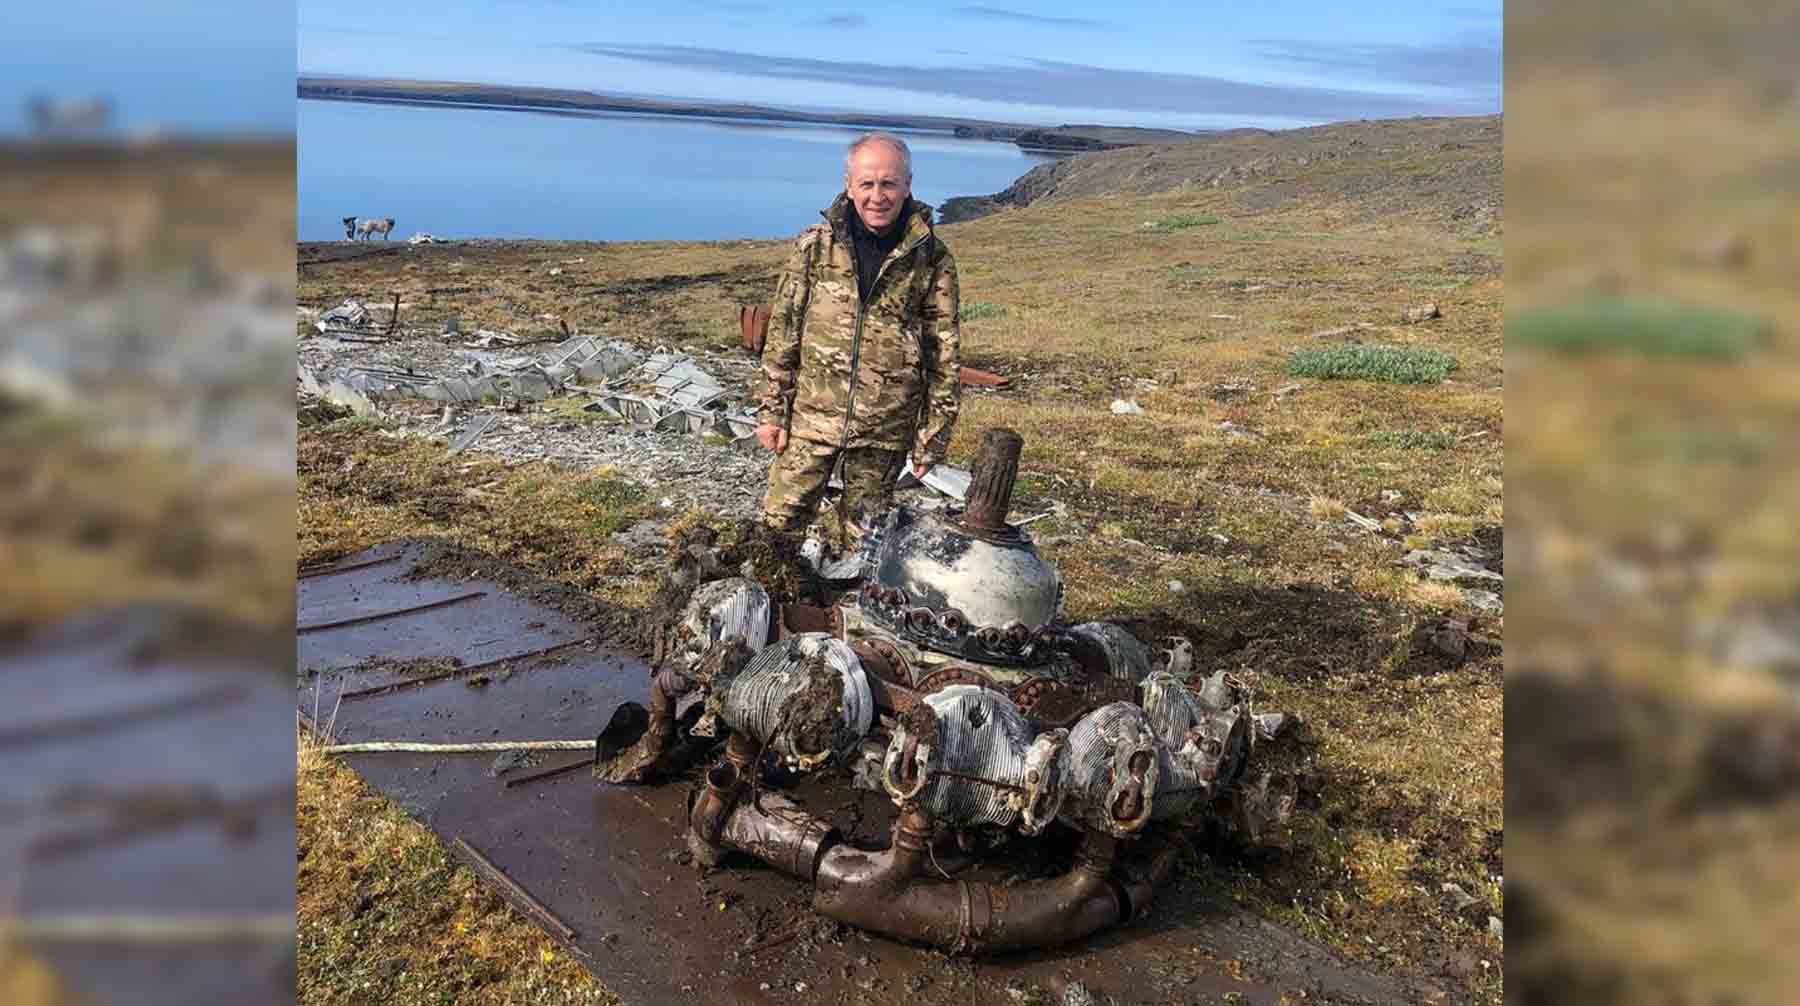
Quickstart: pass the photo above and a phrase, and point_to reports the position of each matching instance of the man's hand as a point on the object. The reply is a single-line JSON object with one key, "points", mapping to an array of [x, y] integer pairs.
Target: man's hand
{"points": [[772, 437], [920, 470]]}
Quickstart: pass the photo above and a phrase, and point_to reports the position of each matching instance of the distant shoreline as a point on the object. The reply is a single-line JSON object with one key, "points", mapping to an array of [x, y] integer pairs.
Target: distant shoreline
{"points": [[1031, 138], [597, 110]]}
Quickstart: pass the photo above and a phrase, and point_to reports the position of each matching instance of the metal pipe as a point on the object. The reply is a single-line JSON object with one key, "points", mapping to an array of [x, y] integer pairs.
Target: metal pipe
{"points": [[1140, 885], [884, 891], [972, 916], [668, 686], [725, 783], [991, 478], [775, 830]]}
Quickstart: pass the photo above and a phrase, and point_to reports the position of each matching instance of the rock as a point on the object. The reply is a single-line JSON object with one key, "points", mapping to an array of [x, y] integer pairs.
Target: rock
{"points": [[1177, 587], [1452, 564], [1288, 389], [1121, 407], [1483, 600], [644, 536], [1728, 251], [1231, 391], [507, 761], [1272, 725], [1449, 638], [1461, 898], [1423, 313]]}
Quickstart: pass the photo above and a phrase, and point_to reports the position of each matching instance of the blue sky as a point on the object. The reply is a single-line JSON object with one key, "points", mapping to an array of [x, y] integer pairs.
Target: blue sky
{"points": [[218, 66], [1274, 64]]}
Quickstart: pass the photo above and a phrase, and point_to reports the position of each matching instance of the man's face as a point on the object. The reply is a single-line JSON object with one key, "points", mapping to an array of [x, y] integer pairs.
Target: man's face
{"points": [[878, 185]]}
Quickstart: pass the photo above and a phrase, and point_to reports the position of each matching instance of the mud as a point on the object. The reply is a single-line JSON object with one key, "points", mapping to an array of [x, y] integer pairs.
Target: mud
{"points": [[412, 667], [813, 715], [179, 813], [442, 560], [610, 862]]}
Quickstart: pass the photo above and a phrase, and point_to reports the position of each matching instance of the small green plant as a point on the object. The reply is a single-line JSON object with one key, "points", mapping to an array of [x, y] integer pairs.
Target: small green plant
{"points": [[1412, 440], [609, 492], [1182, 222], [1653, 327], [977, 310], [1398, 365]]}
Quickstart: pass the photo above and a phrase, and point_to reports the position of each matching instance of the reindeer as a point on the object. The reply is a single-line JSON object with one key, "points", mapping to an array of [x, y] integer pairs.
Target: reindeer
{"points": [[68, 118], [366, 229]]}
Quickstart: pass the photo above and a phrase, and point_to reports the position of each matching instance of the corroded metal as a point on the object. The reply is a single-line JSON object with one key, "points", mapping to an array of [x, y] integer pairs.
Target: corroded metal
{"points": [[991, 480], [995, 716]]}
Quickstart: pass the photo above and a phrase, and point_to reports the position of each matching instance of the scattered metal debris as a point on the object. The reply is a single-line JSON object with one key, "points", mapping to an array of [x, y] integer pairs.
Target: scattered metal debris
{"points": [[1121, 407], [548, 773], [477, 426], [350, 314]]}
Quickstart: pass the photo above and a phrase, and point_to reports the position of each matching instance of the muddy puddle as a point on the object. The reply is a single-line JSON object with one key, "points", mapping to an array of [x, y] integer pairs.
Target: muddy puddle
{"points": [[145, 799]]}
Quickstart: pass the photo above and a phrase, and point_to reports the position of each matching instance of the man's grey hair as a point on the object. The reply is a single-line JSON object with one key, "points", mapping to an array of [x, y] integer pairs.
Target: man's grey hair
{"points": [[888, 138]]}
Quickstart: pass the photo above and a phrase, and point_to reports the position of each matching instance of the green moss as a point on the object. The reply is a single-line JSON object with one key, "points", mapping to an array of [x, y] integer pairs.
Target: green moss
{"points": [[1397, 365], [1641, 325]]}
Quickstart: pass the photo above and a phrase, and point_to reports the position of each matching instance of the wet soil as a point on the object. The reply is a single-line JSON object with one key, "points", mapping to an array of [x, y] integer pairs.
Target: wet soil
{"points": [[442, 560], [95, 827]]}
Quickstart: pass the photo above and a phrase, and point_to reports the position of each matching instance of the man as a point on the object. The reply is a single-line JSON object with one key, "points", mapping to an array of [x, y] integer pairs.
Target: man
{"points": [[860, 366]]}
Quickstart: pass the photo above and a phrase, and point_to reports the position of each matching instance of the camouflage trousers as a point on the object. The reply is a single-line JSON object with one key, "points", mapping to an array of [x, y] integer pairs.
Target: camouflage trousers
{"points": [[797, 481]]}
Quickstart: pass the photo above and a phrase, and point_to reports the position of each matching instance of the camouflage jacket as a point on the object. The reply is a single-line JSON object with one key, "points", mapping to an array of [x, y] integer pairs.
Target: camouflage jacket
{"points": [[882, 374]]}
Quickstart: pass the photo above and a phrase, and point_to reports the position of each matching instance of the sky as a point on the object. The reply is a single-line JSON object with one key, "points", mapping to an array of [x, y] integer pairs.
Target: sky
{"points": [[1274, 64], [209, 66]]}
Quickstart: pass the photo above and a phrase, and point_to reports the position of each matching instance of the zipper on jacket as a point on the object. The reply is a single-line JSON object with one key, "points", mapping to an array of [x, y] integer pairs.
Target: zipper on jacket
{"points": [[856, 334]]}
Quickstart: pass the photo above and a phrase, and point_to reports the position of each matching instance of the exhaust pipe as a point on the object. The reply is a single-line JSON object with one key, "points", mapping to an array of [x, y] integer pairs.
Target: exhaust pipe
{"points": [[885, 891]]}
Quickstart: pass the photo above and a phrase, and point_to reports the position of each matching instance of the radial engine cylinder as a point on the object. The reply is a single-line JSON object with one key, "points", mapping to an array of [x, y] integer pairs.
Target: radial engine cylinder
{"points": [[805, 697], [968, 756]]}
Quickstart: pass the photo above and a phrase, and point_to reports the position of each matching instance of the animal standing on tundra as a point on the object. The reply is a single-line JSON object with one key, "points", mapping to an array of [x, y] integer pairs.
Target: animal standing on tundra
{"points": [[367, 228]]}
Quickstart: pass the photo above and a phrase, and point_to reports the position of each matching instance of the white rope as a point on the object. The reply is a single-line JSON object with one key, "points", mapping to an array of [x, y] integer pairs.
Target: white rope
{"points": [[148, 929], [374, 747]]}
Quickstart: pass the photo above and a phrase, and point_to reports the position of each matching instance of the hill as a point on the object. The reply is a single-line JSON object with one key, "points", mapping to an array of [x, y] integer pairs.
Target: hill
{"points": [[1447, 167]]}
